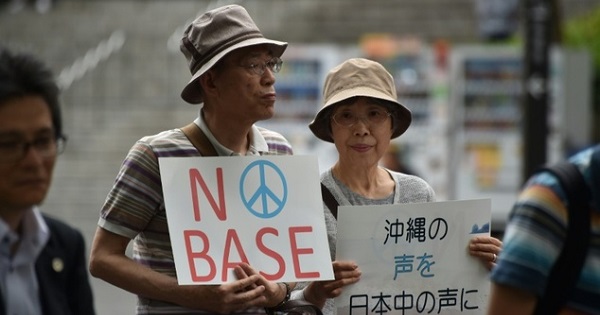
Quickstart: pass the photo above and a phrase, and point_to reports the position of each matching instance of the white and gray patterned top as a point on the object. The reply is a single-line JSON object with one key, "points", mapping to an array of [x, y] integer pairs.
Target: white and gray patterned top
{"points": [[408, 189]]}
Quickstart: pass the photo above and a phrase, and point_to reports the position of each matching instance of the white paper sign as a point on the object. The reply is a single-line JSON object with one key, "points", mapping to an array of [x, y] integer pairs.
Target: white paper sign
{"points": [[266, 211], [414, 258]]}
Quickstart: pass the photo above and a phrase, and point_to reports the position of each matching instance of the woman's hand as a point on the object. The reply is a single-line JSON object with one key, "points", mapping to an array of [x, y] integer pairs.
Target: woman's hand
{"points": [[346, 273], [486, 248]]}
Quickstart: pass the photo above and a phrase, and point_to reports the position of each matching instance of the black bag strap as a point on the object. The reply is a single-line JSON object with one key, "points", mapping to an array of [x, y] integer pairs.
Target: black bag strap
{"points": [[329, 200], [567, 268], [296, 307]]}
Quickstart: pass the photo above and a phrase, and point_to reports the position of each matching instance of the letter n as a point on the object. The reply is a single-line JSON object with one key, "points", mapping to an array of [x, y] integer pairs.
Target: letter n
{"points": [[195, 180]]}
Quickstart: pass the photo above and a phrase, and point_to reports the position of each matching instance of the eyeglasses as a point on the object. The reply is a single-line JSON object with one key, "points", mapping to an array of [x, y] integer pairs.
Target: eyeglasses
{"points": [[348, 119], [274, 64], [12, 151]]}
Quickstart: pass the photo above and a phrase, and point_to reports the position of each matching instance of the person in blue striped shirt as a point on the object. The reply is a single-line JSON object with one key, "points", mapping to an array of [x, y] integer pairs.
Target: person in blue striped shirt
{"points": [[534, 238]]}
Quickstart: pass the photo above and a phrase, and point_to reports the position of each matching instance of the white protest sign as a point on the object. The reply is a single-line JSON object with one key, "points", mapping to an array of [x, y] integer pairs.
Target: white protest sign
{"points": [[266, 211], [414, 258]]}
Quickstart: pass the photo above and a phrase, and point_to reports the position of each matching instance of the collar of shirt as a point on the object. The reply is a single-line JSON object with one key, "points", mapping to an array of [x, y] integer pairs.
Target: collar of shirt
{"points": [[34, 236], [7, 238], [258, 144], [19, 270]]}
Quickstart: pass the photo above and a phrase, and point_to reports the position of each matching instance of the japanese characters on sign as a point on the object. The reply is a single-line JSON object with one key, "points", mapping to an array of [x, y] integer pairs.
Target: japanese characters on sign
{"points": [[414, 258]]}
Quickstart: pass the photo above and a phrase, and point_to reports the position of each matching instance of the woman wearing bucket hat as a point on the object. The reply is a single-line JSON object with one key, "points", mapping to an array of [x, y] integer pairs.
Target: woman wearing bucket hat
{"points": [[232, 66], [361, 114]]}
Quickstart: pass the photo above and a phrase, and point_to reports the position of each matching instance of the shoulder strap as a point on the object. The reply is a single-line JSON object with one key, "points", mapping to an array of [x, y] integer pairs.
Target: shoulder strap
{"points": [[595, 175], [329, 200], [567, 268], [199, 140]]}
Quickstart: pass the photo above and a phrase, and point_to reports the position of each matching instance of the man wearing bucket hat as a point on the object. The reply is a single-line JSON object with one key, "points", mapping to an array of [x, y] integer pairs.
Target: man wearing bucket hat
{"points": [[232, 66], [360, 116]]}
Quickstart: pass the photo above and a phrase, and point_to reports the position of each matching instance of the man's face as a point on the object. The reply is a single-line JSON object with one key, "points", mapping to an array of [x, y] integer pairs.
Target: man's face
{"points": [[243, 96], [24, 181]]}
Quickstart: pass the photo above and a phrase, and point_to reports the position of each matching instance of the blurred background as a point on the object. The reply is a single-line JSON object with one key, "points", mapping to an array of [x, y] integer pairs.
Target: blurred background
{"points": [[473, 72]]}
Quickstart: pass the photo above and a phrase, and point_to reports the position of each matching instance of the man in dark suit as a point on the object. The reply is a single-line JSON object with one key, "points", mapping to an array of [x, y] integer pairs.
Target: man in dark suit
{"points": [[43, 267]]}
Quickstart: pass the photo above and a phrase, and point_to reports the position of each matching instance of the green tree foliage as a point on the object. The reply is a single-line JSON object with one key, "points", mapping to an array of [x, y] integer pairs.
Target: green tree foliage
{"points": [[584, 32]]}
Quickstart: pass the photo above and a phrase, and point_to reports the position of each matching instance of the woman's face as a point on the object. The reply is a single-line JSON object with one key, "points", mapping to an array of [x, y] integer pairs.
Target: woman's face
{"points": [[361, 131]]}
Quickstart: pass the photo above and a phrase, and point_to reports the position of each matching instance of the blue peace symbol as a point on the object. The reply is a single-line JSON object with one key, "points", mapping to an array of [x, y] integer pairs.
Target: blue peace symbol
{"points": [[261, 201]]}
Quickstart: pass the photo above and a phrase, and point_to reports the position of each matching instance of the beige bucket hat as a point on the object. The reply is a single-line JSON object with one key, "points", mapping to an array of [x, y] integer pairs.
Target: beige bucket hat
{"points": [[214, 34], [359, 77]]}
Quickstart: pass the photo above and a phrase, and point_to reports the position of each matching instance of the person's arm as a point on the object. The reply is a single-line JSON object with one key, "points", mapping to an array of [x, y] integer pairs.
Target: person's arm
{"points": [[109, 262], [506, 300]]}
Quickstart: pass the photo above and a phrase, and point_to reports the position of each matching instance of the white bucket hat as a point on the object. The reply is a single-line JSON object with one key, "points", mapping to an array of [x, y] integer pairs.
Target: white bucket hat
{"points": [[359, 77]]}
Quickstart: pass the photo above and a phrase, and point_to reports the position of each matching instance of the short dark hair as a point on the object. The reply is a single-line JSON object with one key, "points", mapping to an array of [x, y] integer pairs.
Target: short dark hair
{"points": [[22, 74]]}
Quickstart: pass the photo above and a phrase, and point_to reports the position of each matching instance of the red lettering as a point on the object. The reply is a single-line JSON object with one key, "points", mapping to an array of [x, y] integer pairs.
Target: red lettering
{"points": [[232, 238], [191, 255], [300, 251], [233, 247], [196, 178], [271, 253]]}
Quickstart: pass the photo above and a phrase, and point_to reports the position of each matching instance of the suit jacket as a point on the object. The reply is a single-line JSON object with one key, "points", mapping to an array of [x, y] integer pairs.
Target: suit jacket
{"points": [[62, 273]]}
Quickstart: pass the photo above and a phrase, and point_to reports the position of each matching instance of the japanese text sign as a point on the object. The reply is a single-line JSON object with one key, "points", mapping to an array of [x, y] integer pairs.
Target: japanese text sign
{"points": [[266, 211], [414, 258]]}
